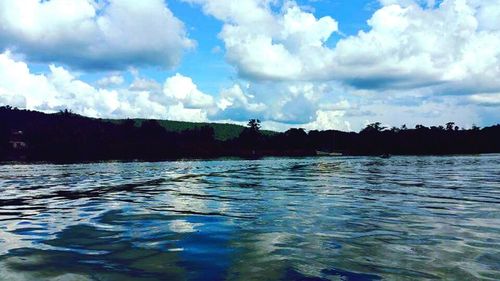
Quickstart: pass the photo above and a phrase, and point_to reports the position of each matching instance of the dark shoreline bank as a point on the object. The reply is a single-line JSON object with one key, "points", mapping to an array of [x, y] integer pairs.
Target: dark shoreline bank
{"points": [[226, 158], [30, 136]]}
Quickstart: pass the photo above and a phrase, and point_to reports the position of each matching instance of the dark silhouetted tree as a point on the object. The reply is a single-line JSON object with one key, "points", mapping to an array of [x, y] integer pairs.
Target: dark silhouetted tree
{"points": [[254, 125], [374, 127], [450, 126]]}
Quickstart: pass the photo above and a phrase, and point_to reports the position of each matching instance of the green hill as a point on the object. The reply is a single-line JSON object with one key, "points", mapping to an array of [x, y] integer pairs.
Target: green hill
{"points": [[222, 131]]}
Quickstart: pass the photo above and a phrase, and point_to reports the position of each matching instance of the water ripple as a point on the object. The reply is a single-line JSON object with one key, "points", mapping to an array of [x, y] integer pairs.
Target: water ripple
{"points": [[346, 218]]}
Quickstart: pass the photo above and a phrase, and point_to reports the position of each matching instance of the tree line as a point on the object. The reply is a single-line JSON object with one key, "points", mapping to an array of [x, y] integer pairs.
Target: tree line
{"points": [[66, 136]]}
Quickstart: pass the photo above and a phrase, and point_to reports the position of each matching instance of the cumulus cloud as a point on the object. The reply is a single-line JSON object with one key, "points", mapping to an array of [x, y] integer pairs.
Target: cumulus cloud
{"points": [[111, 80], [298, 104], [420, 60], [88, 34], [140, 84], [292, 103], [492, 99], [407, 46], [417, 48], [233, 103], [264, 45], [182, 88], [428, 113], [328, 120], [348, 117], [61, 89]]}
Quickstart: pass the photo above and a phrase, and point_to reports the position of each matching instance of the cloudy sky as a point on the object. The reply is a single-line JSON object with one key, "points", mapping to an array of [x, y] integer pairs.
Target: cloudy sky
{"points": [[316, 64]]}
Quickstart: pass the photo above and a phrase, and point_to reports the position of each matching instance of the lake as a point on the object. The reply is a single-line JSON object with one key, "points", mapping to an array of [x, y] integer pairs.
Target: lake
{"points": [[323, 218]]}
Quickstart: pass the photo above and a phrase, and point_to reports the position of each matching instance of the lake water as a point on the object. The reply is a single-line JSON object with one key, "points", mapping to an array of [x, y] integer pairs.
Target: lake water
{"points": [[403, 218]]}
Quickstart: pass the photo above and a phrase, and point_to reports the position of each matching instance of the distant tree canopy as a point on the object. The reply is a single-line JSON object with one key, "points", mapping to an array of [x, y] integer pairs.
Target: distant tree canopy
{"points": [[377, 127], [374, 127], [66, 112], [251, 137], [450, 126], [254, 125], [66, 136]]}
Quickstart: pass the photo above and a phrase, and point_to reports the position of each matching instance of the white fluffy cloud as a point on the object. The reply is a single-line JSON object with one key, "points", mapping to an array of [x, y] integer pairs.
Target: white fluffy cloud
{"points": [[234, 104], [182, 88], [60, 89], [491, 99], [290, 102], [417, 48], [88, 34], [328, 120], [111, 80], [295, 105], [423, 61], [269, 46], [406, 47], [235, 97], [409, 47]]}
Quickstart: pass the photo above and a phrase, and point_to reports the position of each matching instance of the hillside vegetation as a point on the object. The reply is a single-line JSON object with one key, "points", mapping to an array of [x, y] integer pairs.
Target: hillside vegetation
{"points": [[222, 131], [65, 136]]}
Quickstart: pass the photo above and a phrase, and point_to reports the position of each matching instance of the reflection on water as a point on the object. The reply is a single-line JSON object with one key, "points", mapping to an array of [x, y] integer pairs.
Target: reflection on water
{"points": [[404, 218]]}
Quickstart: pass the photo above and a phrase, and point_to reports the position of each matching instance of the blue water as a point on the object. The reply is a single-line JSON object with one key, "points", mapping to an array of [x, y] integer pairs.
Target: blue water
{"points": [[403, 218]]}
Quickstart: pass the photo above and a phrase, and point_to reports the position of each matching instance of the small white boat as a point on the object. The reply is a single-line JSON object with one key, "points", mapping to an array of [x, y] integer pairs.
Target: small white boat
{"points": [[324, 153]]}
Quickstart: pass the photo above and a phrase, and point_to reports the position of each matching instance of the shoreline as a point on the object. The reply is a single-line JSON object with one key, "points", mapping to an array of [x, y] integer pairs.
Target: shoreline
{"points": [[226, 158]]}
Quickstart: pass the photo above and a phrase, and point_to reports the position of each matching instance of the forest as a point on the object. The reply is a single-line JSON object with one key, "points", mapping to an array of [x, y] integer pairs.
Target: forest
{"points": [[67, 137]]}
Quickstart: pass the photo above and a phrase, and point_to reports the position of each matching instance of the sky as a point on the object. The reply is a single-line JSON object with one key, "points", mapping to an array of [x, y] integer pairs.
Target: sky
{"points": [[313, 64]]}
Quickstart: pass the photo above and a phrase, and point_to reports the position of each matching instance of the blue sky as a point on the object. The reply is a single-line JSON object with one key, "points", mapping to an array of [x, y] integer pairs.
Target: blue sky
{"points": [[322, 64]]}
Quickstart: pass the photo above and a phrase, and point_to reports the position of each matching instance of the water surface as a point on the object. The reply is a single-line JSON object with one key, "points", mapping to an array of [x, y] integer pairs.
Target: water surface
{"points": [[403, 218]]}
